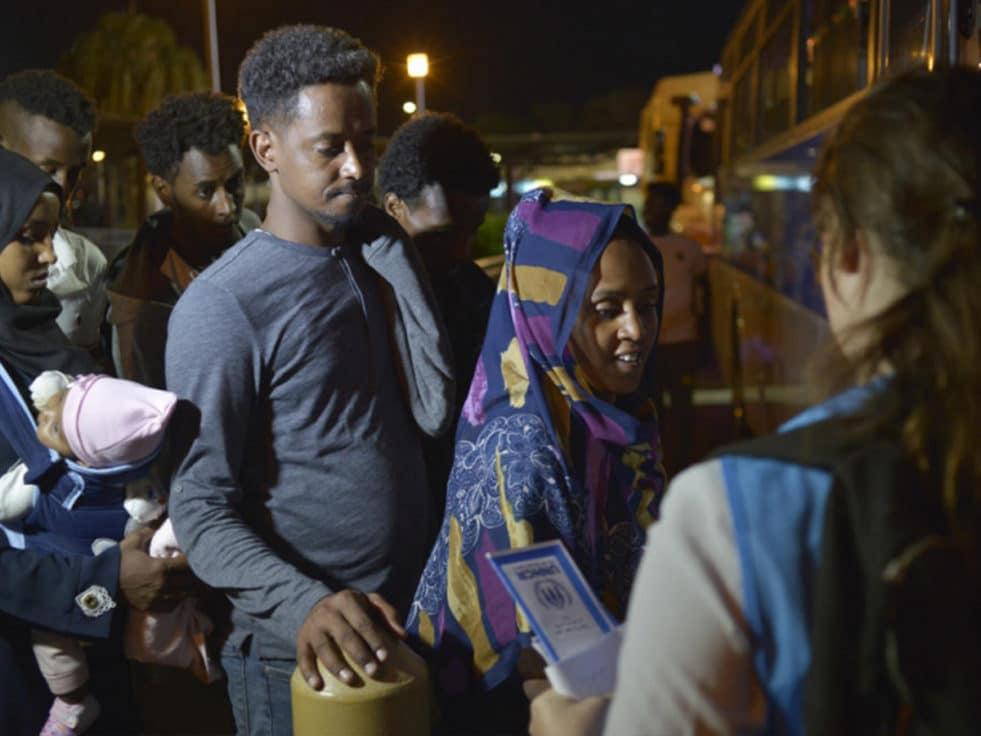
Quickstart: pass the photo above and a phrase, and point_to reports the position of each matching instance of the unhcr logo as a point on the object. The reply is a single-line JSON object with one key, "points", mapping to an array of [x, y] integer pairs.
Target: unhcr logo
{"points": [[552, 594]]}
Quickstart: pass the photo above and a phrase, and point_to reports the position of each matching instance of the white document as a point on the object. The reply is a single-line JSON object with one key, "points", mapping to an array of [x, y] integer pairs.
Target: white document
{"points": [[550, 590], [593, 671]]}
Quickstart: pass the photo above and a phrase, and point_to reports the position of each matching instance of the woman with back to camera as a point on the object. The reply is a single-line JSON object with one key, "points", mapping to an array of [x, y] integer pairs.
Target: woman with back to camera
{"points": [[841, 553]]}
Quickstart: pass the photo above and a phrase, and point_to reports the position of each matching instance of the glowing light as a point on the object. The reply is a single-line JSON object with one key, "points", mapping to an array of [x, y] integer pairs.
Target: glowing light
{"points": [[409, 107], [98, 156], [240, 106], [499, 191], [628, 180], [495, 157], [526, 185], [418, 65], [770, 183]]}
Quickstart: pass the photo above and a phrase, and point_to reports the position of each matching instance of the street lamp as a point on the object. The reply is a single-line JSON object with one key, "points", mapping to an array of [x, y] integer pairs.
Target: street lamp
{"points": [[409, 107], [418, 66], [211, 42]]}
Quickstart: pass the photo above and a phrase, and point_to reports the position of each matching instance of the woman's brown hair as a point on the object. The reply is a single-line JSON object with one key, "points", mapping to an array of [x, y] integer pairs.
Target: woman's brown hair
{"points": [[902, 168]]}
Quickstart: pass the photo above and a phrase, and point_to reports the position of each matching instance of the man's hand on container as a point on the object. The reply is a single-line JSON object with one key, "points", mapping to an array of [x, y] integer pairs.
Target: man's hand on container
{"points": [[346, 623]]}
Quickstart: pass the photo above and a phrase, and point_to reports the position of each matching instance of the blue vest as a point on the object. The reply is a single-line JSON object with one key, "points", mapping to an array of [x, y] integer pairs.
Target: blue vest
{"points": [[76, 504], [778, 537]]}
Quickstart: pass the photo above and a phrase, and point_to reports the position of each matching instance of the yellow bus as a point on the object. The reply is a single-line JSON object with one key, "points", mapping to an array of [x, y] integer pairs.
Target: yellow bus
{"points": [[790, 68], [678, 138]]}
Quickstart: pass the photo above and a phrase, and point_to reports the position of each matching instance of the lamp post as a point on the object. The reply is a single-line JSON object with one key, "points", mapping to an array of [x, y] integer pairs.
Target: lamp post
{"points": [[211, 42], [418, 66]]}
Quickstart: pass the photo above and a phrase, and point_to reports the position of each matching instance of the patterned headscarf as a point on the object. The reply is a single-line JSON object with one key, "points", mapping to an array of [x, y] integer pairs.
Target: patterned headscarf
{"points": [[538, 455]]}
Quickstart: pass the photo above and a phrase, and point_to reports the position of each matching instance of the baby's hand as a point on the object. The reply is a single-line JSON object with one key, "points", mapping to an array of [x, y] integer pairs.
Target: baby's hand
{"points": [[142, 512], [142, 504]]}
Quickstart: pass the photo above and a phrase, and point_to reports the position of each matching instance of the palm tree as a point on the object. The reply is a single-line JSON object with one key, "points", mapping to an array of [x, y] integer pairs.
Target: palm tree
{"points": [[130, 63]]}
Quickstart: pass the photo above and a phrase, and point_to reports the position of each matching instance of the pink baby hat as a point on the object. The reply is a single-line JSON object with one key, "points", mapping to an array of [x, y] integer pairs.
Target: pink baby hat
{"points": [[109, 421]]}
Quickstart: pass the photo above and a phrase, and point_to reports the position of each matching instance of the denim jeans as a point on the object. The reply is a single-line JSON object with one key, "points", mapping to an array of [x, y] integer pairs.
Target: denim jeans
{"points": [[259, 690]]}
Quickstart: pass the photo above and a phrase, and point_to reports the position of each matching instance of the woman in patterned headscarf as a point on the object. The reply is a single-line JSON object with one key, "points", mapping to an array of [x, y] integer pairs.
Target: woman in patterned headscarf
{"points": [[558, 440]]}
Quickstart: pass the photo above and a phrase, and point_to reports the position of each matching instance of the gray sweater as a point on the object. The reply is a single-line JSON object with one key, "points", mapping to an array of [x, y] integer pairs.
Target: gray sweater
{"points": [[306, 475]]}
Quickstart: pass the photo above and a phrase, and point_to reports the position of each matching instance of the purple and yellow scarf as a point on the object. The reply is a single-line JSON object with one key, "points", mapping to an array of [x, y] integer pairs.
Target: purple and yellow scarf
{"points": [[538, 455]]}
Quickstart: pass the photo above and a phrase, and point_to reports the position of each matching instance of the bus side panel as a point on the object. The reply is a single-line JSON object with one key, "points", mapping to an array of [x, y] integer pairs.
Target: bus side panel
{"points": [[765, 345]]}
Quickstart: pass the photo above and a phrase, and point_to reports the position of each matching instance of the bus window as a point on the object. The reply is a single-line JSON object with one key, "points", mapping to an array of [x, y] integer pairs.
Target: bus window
{"points": [[775, 82], [703, 159], [837, 51], [773, 8], [909, 33], [659, 167], [748, 43], [742, 128]]}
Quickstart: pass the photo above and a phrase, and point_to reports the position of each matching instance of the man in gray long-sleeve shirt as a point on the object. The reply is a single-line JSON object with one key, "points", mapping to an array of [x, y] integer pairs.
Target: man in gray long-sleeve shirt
{"points": [[304, 484]]}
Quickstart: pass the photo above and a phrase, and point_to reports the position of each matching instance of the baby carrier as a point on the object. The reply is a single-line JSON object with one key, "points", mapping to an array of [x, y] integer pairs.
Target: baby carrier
{"points": [[76, 504]]}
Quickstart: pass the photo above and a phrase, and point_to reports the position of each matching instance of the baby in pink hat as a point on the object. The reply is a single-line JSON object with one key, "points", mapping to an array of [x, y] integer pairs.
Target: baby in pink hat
{"points": [[104, 422], [97, 421]]}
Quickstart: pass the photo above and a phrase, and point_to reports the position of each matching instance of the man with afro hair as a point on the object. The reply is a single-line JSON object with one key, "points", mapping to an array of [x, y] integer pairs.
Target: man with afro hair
{"points": [[435, 179], [314, 353], [192, 147], [49, 121]]}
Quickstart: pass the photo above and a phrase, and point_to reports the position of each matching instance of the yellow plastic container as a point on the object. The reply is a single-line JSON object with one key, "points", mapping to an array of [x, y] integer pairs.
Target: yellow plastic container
{"points": [[395, 702]]}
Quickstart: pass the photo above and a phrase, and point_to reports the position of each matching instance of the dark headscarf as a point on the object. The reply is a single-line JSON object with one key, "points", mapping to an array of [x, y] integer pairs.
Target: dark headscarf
{"points": [[30, 339]]}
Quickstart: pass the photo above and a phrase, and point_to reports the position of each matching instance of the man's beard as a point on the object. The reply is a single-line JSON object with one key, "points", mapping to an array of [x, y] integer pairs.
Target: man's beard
{"points": [[345, 220]]}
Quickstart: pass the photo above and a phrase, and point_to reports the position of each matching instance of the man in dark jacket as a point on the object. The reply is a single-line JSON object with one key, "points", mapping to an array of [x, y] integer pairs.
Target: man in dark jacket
{"points": [[192, 146], [435, 179]]}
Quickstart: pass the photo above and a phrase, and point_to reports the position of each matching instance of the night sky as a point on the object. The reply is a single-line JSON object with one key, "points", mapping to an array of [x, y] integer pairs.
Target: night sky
{"points": [[490, 59]]}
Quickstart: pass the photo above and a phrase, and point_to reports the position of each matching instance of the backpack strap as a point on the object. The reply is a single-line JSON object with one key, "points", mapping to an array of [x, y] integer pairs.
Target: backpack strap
{"points": [[816, 445], [895, 616]]}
